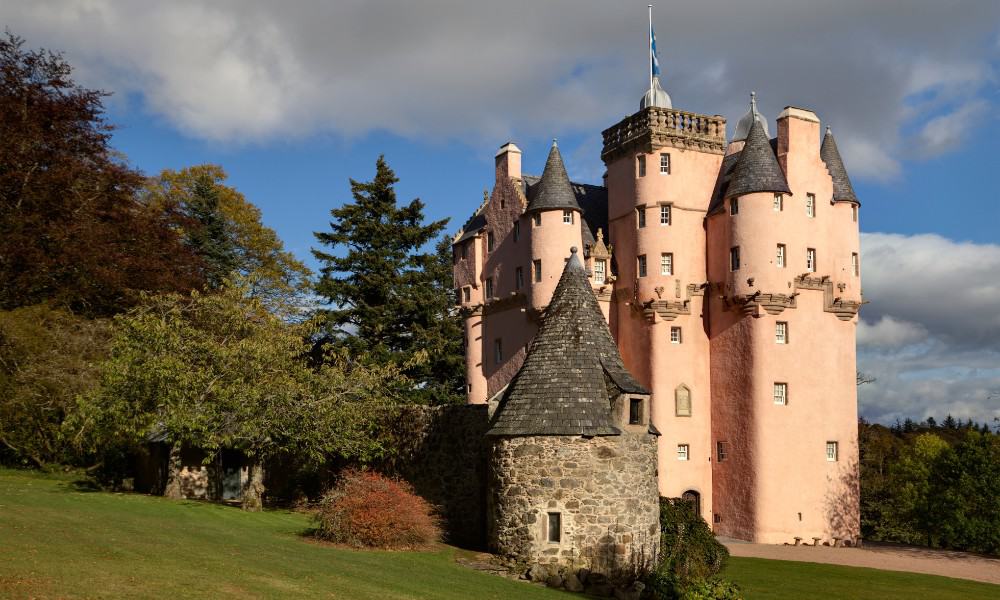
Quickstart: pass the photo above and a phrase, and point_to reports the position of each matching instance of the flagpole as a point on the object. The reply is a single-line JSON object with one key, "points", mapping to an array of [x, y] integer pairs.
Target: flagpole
{"points": [[650, 36]]}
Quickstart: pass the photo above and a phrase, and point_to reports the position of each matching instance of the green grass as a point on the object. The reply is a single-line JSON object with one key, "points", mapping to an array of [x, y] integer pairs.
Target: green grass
{"points": [[59, 541], [782, 579]]}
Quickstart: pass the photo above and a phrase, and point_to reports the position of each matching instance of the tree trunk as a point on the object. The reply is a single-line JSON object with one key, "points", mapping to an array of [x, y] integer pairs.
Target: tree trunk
{"points": [[173, 487], [253, 490]]}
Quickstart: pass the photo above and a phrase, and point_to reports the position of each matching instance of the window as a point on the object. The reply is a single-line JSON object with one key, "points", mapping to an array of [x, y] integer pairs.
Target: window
{"points": [[568, 217], [555, 527], [811, 260], [497, 351], [490, 241], [600, 271], [640, 216], [667, 263], [781, 332], [537, 218], [489, 288], [734, 258], [734, 206], [682, 401], [854, 212], [536, 266], [518, 278], [665, 214], [722, 451], [855, 267], [642, 265], [465, 248], [779, 202], [683, 451], [503, 202], [458, 296], [642, 165], [780, 256], [517, 230], [664, 164], [781, 393], [467, 293], [675, 335], [832, 451], [635, 411], [810, 205]]}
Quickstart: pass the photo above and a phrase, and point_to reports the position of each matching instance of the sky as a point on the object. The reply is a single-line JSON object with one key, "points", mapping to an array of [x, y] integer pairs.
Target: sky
{"points": [[294, 98]]}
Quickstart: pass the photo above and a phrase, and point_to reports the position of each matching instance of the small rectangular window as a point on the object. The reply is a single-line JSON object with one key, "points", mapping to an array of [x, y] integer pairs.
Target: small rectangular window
{"points": [[664, 164], [568, 217], [640, 217], [779, 202], [467, 293], [781, 332], [600, 271], [734, 206], [665, 214], [855, 266], [458, 295], [537, 218], [489, 288], [781, 393], [832, 451], [465, 248], [675, 335], [811, 260], [497, 351], [722, 451], [780, 256], [683, 451], [667, 263], [518, 278], [810, 205], [536, 266], [555, 527], [734, 258], [642, 165], [854, 212], [490, 241], [642, 265], [635, 411], [517, 230]]}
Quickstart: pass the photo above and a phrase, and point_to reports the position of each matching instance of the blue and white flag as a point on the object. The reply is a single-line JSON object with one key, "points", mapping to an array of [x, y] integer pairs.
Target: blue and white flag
{"points": [[655, 65]]}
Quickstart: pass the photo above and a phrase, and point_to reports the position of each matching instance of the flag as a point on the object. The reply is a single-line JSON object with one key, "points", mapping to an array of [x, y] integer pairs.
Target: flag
{"points": [[654, 66]]}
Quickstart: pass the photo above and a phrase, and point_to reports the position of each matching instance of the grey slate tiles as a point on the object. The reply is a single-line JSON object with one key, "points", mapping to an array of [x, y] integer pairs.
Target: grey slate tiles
{"points": [[757, 169], [842, 188]]}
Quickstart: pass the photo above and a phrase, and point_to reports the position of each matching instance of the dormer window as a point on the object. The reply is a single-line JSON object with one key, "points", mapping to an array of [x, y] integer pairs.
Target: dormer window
{"points": [[600, 271], [635, 411]]}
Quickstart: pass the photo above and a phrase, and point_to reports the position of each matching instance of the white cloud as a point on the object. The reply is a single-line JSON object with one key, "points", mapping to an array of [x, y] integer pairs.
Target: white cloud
{"points": [[946, 132], [888, 332], [244, 70]]}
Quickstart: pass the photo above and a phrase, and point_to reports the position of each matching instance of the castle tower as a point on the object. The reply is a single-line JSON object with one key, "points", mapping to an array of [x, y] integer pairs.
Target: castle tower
{"points": [[573, 458], [782, 328], [662, 166]]}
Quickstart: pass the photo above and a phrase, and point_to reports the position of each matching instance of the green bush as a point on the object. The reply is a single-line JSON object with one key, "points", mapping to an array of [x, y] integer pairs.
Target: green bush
{"points": [[712, 589], [690, 556]]}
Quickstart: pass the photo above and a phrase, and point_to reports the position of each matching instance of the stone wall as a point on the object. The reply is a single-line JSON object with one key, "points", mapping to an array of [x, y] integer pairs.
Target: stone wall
{"points": [[603, 487]]}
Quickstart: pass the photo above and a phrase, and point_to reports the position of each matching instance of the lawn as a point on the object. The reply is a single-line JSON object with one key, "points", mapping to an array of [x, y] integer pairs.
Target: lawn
{"points": [[60, 541]]}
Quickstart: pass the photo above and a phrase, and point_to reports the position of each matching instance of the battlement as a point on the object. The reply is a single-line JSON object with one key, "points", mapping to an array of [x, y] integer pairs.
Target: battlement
{"points": [[655, 127]]}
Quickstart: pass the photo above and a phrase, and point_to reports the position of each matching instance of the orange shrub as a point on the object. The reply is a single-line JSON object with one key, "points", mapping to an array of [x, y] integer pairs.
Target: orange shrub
{"points": [[366, 509]]}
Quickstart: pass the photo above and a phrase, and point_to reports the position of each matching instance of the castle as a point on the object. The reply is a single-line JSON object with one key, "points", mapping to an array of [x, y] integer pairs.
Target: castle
{"points": [[728, 274]]}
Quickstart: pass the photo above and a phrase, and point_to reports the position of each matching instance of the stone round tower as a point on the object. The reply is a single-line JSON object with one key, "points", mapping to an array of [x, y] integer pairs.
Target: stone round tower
{"points": [[573, 478]]}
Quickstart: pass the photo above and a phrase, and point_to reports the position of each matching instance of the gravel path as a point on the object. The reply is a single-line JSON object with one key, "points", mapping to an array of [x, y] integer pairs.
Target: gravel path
{"points": [[880, 556]]}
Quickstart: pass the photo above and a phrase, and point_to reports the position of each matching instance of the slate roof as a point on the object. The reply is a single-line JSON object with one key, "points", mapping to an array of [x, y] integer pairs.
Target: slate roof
{"points": [[722, 183], [592, 200], [757, 169], [572, 370], [842, 188], [477, 222], [554, 189]]}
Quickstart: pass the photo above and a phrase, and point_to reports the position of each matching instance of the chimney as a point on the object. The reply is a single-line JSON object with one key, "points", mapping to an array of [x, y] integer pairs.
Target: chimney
{"points": [[508, 161], [798, 134]]}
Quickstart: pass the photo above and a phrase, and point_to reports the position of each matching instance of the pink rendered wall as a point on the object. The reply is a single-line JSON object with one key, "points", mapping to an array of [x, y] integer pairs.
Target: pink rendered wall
{"points": [[550, 242]]}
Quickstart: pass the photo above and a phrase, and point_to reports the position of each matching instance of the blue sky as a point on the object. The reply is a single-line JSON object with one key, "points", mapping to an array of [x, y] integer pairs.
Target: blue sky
{"points": [[294, 99]]}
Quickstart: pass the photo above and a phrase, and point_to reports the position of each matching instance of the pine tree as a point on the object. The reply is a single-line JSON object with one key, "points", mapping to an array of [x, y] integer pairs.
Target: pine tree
{"points": [[210, 237], [388, 300]]}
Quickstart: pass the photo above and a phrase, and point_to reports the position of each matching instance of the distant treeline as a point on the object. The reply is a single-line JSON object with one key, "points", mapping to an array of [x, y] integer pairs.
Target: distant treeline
{"points": [[931, 484]]}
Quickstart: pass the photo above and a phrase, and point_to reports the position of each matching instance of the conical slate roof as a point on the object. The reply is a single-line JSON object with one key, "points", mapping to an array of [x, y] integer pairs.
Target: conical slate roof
{"points": [[757, 169], [572, 371], [555, 190], [842, 189]]}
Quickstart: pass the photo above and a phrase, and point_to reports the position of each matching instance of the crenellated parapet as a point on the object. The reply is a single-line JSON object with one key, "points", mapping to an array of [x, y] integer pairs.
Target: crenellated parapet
{"points": [[775, 304], [656, 127]]}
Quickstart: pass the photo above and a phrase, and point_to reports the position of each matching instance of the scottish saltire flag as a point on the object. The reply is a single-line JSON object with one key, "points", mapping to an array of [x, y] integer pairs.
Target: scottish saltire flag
{"points": [[655, 66]]}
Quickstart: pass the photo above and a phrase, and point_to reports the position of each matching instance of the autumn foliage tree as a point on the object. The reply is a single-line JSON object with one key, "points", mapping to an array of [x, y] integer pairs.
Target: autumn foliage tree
{"points": [[71, 228]]}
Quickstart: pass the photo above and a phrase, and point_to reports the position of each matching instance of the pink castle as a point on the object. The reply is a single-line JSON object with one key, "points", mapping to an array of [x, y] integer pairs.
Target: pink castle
{"points": [[729, 275]]}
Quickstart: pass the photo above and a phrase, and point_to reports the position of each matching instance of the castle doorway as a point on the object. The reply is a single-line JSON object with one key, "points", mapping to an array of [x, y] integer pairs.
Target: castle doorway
{"points": [[695, 499]]}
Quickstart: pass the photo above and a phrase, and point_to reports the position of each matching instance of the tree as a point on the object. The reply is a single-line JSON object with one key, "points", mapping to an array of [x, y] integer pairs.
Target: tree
{"points": [[218, 219], [220, 371], [387, 298], [71, 229]]}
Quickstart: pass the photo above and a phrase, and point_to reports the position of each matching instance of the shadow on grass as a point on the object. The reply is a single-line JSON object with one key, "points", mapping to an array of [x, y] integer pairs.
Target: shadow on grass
{"points": [[85, 485]]}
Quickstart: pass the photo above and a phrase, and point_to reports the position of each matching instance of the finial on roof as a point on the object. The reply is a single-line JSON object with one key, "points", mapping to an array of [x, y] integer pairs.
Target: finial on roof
{"points": [[752, 115], [555, 143], [827, 130], [573, 249]]}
